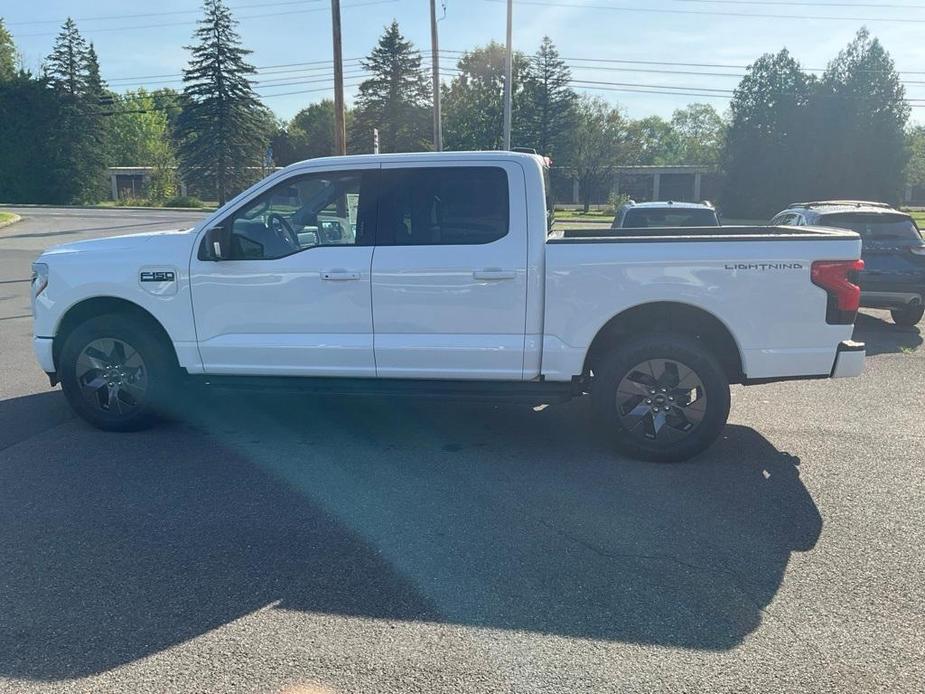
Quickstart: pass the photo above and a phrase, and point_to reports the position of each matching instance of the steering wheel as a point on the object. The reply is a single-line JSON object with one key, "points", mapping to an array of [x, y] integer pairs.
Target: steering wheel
{"points": [[280, 226]]}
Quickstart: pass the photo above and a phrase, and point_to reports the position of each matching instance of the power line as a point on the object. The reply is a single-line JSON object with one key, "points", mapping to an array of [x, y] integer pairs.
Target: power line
{"points": [[325, 64], [250, 16], [671, 62], [679, 90], [797, 3], [307, 91], [667, 92], [713, 13], [178, 79], [157, 14]]}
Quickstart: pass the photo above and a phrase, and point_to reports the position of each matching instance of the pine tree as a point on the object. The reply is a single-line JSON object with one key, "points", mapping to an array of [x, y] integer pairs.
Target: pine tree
{"points": [[221, 130], [396, 99], [96, 87], [551, 113], [67, 68], [7, 54], [72, 71]]}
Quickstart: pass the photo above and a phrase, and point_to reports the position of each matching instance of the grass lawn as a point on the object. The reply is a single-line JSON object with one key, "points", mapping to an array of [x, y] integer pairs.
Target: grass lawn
{"points": [[6, 217], [919, 217], [591, 216]]}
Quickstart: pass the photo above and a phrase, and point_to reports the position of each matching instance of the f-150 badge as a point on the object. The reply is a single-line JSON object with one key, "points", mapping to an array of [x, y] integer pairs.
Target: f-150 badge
{"points": [[158, 276]]}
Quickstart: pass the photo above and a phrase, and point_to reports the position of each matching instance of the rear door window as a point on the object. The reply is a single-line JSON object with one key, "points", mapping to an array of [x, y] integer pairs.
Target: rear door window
{"points": [[875, 226], [446, 206]]}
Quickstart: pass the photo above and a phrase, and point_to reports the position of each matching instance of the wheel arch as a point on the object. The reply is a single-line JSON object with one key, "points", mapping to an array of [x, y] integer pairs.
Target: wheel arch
{"points": [[673, 317], [102, 305]]}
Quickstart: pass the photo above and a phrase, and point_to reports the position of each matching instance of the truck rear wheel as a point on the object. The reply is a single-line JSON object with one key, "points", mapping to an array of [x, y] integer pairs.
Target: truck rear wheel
{"points": [[663, 397], [908, 316], [115, 373]]}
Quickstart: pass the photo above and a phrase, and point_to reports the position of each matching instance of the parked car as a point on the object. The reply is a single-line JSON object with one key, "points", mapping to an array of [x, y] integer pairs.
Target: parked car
{"points": [[666, 213], [448, 284], [893, 251]]}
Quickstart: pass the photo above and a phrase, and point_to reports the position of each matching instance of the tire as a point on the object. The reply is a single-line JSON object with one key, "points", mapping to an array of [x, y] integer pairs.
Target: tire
{"points": [[117, 373], [908, 316], [641, 375]]}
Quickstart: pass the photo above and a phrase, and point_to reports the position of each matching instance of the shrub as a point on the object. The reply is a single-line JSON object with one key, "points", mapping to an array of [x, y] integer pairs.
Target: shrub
{"points": [[134, 202], [614, 201], [184, 201]]}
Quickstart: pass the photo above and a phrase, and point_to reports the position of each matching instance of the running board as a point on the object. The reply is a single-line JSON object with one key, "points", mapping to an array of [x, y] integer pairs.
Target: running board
{"points": [[535, 392]]}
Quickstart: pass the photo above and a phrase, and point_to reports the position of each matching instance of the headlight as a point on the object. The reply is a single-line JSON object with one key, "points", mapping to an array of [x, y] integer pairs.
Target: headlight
{"points": [[39, 278]]}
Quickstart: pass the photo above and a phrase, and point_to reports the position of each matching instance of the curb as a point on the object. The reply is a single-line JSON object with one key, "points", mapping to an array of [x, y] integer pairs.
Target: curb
{"points": [[109, 207], [16, 218]]}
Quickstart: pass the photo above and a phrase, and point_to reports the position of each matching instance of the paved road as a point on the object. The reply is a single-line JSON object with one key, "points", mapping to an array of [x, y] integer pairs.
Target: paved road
{"points": [[274, 543]]}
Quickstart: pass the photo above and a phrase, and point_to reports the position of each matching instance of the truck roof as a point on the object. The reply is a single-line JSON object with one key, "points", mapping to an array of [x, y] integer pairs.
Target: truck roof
{"points": [[352, 159], [671, 203]]}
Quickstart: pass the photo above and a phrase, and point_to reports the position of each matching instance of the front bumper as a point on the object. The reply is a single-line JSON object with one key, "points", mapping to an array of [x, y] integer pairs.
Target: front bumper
{"points": [[849, 360], [42, 346]]}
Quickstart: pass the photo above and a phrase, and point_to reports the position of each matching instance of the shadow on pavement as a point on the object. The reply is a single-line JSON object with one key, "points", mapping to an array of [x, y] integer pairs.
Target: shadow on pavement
{"points": [[885, 337], [115, 547]]}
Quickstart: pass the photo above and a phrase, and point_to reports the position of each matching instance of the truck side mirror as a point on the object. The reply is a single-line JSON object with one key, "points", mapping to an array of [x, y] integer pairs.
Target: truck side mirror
{"points": [[216, 245]]}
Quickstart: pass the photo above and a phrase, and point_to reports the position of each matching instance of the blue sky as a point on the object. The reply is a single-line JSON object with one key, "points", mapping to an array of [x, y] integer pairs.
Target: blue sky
{"points": [[283, 32]]}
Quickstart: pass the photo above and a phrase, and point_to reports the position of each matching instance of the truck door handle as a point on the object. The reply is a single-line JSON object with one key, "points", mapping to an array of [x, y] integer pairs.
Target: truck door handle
{"points": [[494, 274], [340, 275]]}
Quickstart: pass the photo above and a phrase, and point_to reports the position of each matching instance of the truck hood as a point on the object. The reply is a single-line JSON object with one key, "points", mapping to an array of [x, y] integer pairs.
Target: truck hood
{"points": [[168, 240]]}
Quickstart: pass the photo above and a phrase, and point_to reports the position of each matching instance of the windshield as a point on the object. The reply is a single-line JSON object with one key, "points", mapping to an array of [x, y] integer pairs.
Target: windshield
{"points": [[875, 226], [671, 218]]}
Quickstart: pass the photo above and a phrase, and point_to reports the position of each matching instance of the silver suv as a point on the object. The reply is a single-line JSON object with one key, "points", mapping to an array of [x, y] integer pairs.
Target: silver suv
{"points": [[665, 213]]}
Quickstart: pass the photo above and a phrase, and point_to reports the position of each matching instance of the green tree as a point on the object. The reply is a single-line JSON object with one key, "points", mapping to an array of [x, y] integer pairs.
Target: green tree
{"points": [[473, 109], [701, 134], [915, 148], [140, 135], [766, 161], [859, 125], [654, 142], [396, 99], [309, 134], [7, 54], [551, 112], [139, 126], [29, 114], [601, 143], [79, 157], [221, 130]]}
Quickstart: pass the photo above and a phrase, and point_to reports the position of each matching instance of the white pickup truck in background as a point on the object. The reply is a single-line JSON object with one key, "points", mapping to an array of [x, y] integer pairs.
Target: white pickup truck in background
{"points": [[436, 273]]}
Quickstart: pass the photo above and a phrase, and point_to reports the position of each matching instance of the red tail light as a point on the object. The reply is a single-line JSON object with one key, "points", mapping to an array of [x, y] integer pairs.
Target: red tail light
{"points": [[838, 278]]}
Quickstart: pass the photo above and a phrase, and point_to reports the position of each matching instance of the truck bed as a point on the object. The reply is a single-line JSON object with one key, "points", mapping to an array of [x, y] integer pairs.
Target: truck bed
{"points": [[755, 279], [701, 234]]}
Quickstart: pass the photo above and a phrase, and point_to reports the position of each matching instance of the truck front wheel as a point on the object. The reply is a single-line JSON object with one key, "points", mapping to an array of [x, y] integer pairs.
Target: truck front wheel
{"points": [[115, 373], [661, 397]]}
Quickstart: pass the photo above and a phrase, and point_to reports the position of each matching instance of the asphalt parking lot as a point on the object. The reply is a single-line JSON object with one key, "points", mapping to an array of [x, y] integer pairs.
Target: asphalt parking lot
{"points": [[269, 543]]}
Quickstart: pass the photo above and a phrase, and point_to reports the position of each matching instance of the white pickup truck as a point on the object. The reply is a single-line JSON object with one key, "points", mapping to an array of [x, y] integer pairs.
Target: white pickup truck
{"points": [[437, 274]]}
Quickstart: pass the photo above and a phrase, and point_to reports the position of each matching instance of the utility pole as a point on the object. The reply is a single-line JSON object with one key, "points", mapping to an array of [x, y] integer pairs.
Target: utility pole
{"points": [[435, 64], [340, 127], [508, 75]]}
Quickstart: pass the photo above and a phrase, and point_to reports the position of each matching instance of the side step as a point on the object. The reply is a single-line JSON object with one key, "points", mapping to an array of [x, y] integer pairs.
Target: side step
{"points": [[533, 392]]}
